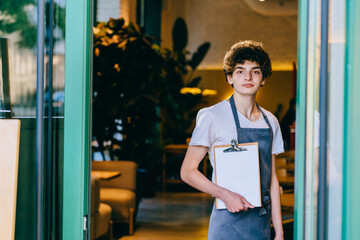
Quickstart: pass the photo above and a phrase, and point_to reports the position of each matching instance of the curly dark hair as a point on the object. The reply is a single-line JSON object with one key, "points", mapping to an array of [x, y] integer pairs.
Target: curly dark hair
{"points": [[247, 50]]}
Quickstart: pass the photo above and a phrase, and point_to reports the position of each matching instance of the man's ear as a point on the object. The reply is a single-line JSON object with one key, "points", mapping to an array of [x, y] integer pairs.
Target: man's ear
{"points": [[263, 82], [229, 80]]}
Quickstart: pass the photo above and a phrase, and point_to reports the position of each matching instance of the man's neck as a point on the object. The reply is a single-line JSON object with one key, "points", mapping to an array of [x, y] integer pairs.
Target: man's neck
{"points": [[246, 105]]}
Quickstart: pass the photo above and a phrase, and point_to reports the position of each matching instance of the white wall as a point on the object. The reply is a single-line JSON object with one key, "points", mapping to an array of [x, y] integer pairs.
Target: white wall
{"points": [[225, 22], [106, 9]]}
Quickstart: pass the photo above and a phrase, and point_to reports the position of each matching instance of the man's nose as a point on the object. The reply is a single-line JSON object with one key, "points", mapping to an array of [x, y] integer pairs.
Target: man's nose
{"points": [[248, 75]]}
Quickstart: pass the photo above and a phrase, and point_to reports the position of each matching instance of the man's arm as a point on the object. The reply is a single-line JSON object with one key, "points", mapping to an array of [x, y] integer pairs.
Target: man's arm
{"points": [[275, 203], [191, 175]]}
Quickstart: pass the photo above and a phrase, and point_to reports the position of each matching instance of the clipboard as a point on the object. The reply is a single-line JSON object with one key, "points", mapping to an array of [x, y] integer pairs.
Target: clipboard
{"points": [[237, 168]]}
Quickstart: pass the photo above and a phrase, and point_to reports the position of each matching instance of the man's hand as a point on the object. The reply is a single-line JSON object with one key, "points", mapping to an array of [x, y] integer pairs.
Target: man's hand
{"points": [[235, 202]]}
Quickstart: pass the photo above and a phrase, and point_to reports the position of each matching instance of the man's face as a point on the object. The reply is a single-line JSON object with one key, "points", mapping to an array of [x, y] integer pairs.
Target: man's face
{"points": [[247, 78]]}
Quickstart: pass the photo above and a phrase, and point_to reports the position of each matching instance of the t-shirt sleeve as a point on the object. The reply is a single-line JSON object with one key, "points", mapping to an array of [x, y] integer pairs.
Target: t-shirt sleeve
{"points": [[278, 143], [203, 134]]}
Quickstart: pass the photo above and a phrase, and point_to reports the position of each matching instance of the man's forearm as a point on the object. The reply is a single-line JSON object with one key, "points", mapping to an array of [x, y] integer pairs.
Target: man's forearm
{"points": [[276, 206]]}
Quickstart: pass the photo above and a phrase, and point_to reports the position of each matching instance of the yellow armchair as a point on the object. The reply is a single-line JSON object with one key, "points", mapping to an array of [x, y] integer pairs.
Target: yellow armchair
{"points": [[119, 192]]}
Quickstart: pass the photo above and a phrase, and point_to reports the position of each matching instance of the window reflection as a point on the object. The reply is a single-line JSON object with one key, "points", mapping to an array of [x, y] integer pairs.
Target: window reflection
{"points": [[18, 25]]}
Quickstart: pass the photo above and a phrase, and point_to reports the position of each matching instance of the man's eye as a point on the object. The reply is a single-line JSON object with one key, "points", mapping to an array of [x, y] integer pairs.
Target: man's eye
{"points": [[240, 71], [257, 72]]}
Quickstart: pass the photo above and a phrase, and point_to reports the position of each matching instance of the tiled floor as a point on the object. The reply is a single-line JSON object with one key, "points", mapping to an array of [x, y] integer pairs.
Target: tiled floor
{"points": [[175, 216]]}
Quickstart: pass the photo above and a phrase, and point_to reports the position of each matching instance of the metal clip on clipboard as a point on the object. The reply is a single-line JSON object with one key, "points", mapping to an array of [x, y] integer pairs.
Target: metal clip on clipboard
{"points": [[234, 147]]}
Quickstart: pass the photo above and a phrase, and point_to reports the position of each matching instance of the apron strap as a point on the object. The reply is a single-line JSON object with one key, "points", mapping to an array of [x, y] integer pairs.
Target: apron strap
{"points": [[267, 121], [237, 122], [263, 210], [236, 117]]}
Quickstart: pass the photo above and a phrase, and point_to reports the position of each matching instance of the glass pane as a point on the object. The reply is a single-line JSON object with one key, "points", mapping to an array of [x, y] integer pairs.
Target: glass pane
{"points": [[58, 58], [312, 120], [18, 24], [21, 35], [335, 117], [56, 150]]}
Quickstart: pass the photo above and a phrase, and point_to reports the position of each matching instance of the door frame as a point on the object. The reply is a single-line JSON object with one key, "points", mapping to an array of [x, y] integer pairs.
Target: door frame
{"points": [[77, 123]]}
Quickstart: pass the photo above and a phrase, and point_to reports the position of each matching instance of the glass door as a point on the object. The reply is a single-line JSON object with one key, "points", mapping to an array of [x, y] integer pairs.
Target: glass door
{"points": [[39, 203], [321, 101]]}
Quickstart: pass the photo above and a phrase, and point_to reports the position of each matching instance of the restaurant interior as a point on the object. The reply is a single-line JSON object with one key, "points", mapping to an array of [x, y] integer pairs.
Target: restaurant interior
{"points": [[149, 200], [155, 64]]}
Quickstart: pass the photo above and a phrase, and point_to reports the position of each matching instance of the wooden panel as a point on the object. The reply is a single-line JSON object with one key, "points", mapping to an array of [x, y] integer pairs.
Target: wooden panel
{"points": [[9, 159]]}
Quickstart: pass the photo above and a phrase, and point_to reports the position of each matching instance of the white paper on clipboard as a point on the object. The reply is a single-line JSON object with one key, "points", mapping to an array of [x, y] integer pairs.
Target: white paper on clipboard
{"points": [[238, 171]]}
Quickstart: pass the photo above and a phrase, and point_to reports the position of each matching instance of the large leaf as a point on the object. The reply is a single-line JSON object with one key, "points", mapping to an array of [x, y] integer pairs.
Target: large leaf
{"points": [[179, 35], [199, 55], [194, 83]]}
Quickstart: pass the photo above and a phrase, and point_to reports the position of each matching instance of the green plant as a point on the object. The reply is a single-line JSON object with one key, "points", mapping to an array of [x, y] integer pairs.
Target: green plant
{"points": [[128, 86], [135, 82], [179, 109]]}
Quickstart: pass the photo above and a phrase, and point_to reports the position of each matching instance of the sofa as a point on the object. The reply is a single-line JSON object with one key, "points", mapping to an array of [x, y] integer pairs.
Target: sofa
{"points": [[101, 222], [119, 192]]}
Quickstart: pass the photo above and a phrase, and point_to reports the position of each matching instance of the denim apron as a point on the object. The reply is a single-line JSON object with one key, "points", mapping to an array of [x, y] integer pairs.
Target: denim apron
{"points": [[254, 223]]}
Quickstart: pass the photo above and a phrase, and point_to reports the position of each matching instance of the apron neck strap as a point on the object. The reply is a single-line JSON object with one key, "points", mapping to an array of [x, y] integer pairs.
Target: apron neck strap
{"points": [[234, 111], [236, 117]]}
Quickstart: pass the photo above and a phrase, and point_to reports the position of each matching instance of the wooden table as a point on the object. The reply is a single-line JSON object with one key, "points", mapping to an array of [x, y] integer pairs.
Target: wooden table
{"points": [[287, 166], [171, 149], [105, 175], [176, 148]]}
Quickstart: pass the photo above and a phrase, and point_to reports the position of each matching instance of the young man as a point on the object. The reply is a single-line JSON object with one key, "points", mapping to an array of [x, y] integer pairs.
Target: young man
{"points": [[246, 66]]}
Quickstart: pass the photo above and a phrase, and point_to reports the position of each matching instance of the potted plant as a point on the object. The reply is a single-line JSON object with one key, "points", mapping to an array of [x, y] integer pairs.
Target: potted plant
{"points": [[128, 83], [136, 86], [179, 108]]}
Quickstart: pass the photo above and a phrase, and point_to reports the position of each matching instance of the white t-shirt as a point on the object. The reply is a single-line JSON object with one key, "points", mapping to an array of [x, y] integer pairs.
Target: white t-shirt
{"points": [[215, 126]]}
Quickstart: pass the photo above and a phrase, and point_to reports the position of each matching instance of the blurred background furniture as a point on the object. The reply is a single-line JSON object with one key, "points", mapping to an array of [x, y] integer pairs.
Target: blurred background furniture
{"points": [[105, 175], [172, 159], [177, 150], [285, 167], [101, 222], [289, 155], [284, 164], [287, 200], [119, 192]]}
